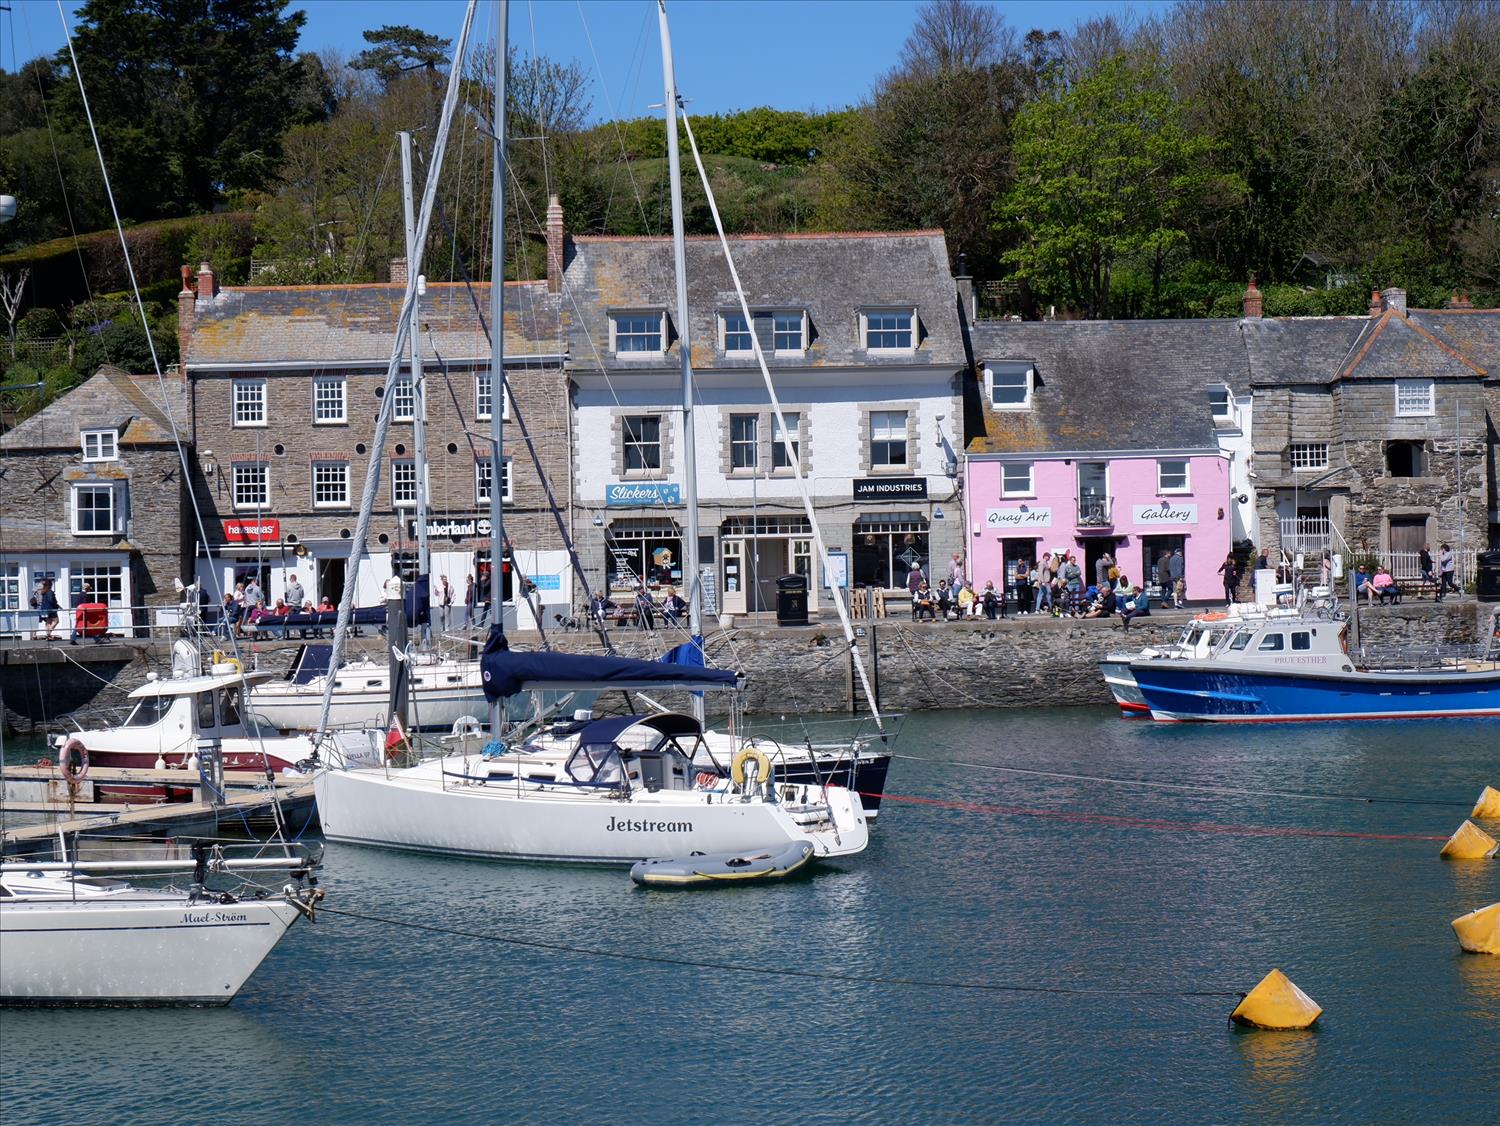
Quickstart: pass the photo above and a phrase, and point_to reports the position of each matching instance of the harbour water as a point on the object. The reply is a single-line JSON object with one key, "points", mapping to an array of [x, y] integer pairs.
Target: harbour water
{"points": [[1130, 915]]}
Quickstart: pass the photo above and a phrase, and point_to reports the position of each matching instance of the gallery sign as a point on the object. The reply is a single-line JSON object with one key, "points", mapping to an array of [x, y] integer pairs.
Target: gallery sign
{"points": [[1028, 517], [642, 492], [252, 531], [461, 528], [890, 488], [1164, 514]]}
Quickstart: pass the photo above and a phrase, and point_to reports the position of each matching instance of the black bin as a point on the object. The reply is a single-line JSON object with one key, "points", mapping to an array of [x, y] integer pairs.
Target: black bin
{"points": [[1487, 579], [791, 600]]}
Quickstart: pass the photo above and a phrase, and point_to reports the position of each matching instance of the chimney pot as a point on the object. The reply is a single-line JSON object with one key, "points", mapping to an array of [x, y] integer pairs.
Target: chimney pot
{"points": [[206, 287], [555, 243], [398, 271], [1375, 306], [1253, 302], [185, 302]]}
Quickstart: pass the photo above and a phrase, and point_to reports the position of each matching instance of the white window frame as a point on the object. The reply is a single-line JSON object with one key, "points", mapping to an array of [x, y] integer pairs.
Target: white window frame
{"points": [[322, 383], [404, 399], [105, 442], [235, 484], [482, 479], [786, 452], [1305, 453], [626, 443], [1007, 489], [1164, 489], [327, 464], [115, 507], [905, 439], [865, 330], [403, 482], [483, 399], [1428, 392], [776, 332], [110, 581], [1010, 370], [738, 444], [725, 332], [615, 335], [247, 404], [1228, 413]]}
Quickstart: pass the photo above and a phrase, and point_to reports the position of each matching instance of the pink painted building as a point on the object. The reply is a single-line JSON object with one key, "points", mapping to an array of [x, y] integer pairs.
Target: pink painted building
{"points": [[1095, 436], [1136, 507]]}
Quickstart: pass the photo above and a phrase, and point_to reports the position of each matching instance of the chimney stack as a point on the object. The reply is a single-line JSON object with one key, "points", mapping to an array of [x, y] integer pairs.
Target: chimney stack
{"points": [[965, 282], [206, 288], [1252, 301], [1394, 298], [398, 272], [1460, 300], [185, 301], [1376, 308], [555, 239]]}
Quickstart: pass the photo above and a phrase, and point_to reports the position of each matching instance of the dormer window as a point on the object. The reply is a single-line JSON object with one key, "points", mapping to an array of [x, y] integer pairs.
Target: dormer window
{"points": [[736, 330], [1010, 385], [789, 331], [638, 333], [101, 445], [889, 330], [1221, 402], [1414, 397]]}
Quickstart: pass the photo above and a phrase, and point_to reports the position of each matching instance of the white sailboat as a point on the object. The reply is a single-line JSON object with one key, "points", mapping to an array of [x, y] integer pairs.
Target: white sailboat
{"points": [[625, 789]]}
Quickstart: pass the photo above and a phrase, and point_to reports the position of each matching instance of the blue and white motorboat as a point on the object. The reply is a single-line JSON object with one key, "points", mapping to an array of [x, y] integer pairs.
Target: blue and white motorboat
{"points": [[1290, 669]]}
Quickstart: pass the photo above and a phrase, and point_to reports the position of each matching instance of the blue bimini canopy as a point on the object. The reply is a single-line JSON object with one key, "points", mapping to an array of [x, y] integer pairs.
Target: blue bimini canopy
{"points": [[506, 673]]}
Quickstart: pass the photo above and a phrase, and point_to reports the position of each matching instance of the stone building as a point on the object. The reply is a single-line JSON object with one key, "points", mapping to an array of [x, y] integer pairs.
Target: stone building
{"points": [[91, 491], [862, 336], [1376, 432], [285, 385]]}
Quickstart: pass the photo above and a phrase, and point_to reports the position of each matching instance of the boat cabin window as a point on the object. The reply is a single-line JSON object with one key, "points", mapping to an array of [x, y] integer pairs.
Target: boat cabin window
{"points": [[1301, 640], [1272, 643], [596, 765], [206, 710], [1194, 636], [229, 707], [150, 711], [1241, 639]]}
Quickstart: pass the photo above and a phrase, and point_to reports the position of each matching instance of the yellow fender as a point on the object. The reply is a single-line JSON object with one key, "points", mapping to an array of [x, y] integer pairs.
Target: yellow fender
{"points": [[1470, 842], [737, 766], [1276, 1003], [1479, 931], [1487, 808]]}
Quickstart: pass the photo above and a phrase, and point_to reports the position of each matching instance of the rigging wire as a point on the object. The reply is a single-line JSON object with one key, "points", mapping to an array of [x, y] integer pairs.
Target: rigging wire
{"points": [[614, 117], [634, 955]]}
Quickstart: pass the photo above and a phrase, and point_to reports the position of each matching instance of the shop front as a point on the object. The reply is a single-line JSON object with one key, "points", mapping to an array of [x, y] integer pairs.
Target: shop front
{"points": [[887, 545], [755, 552], [642, 549], [76, 578]]}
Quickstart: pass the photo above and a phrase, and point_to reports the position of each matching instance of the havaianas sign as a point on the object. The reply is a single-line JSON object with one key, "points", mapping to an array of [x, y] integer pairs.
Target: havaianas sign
{"points": [[1164, 513], [642, 492]]}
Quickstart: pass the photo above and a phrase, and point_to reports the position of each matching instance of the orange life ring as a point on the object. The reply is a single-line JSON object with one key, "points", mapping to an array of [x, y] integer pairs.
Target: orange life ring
{"points": [[1215, 616], [74, 761]]}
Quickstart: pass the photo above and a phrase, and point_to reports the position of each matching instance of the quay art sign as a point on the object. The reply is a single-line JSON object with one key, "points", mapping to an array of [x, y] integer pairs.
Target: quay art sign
{"points": [[1164, 513], [890, 488], [252, 531], [1018, 517], [461, 528], [642, 492]]}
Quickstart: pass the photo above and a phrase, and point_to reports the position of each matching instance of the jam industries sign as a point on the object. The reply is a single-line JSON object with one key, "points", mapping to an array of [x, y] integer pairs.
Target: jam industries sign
{"points": [[642, 492], [890, 488], [252, 531], [1028, 517], [1164, 514]]}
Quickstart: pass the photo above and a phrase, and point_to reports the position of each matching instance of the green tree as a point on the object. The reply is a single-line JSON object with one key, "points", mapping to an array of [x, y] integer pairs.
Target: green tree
{"points": [[191, 97], [1104, 171], [396, 50]]}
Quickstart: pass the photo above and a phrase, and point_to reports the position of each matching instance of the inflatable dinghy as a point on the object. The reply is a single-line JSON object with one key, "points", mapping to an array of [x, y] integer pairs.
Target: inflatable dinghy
{"points": [[723, 867]]}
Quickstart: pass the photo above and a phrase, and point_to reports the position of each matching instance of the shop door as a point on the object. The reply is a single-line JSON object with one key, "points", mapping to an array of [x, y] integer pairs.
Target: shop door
{"points": [[1092, 549], [330, 581], [768, 562], [1154, 569]]}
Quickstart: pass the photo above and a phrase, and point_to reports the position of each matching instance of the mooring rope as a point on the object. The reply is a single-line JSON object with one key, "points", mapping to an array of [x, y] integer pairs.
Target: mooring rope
{"points": [[775, 971]]}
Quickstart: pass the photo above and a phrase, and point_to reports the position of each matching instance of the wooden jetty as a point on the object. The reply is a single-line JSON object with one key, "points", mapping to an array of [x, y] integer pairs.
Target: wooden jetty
{"points": [[248, 804]]}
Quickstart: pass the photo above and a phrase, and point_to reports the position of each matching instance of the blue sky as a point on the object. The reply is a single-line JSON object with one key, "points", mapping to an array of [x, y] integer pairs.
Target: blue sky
{"points": [[731, 54]]}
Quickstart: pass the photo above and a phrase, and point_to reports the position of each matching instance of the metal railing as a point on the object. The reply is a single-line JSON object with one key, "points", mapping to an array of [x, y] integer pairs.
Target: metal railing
{"points": [[1306, 534], [1093, 512], [1406, 565]]}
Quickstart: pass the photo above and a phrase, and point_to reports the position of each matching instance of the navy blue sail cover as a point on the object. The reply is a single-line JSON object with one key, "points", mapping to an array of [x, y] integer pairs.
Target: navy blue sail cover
{"points": [[506, 672]]}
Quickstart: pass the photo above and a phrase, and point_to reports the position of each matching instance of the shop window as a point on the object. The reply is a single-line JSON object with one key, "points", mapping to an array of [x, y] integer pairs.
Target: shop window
{"points": [[642, 550], [887, 546], [1405, 459], [88, 582]]}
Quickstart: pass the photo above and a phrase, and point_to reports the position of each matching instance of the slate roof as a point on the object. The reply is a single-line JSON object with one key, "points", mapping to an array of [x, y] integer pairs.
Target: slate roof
{"points": [[346, 324], [832, 276], [1109, 385], [111, 397], [1289, 350]]}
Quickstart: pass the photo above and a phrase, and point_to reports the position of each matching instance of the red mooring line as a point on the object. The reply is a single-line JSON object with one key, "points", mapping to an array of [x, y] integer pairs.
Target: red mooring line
{"points": [[1152, 823]]}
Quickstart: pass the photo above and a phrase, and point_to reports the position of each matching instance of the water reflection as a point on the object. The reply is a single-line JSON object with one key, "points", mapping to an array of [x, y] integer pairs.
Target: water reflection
{"points": [[1480, 976], [1279, 1068]]}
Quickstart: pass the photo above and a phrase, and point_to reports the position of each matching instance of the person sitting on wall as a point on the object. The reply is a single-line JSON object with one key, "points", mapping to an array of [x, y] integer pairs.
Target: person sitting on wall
{"points": [[673, 606], [1103, 604], [1383, 587], [923, 604], [991, 601], [1362, 583], [1137, 605], [600, 606], [645, 609], [945, 596], [964, 604]]}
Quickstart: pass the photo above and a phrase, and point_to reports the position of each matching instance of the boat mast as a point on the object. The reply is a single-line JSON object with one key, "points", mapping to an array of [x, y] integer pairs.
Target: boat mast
{"points": [[497, 344], [418, 381], [684, 347]]}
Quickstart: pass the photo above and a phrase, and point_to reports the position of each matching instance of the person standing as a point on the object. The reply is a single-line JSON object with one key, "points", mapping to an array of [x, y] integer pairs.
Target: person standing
{"points": [[1424, 561], [1042, 581], [1231, 572], [1101, 568], [1446, 567], [956, 571], [445, 604], [645, 609], [1325, 571], [470, 600], [44, 601], [915, 579], [1175, 573], [295, 595]]}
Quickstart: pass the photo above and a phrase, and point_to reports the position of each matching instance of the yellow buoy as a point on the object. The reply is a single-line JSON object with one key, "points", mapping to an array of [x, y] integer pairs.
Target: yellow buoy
{"points": [[1470, 843], [1479, 931], [1487, 808], [1276, 1003]]}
